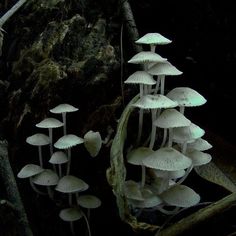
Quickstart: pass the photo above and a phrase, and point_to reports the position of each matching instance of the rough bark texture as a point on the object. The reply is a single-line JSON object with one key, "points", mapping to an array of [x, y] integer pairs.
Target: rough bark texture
{"points": [[12, 193]]}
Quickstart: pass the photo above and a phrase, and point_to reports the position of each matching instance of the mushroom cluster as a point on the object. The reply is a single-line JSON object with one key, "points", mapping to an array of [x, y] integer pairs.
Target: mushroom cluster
{"points": [[166, 161], [54, 171]]}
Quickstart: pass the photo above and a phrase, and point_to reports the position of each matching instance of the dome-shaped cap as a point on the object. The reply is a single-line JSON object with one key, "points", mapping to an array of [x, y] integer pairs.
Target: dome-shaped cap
{"points": [[167, 158], [153, 38], [199, 144], [71, 184], [186, 97], [38, 139], [171, 118], [169, 174], [46, 178], [49, 123], [29, 170], [93, 142], [146, 57], [63, 108], [199, 158], [132, 190], [136, 156], [188, 133], [154, 102], [70, 214], [164, 68], [68, 141], [140, 77], [58, 158], [181, 196], [89, 201], [150, 199]]}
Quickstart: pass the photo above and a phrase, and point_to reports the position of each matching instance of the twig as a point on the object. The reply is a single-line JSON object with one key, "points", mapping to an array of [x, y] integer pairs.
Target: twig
{"points": [[199, 216], [12, 192], [10, 12]]}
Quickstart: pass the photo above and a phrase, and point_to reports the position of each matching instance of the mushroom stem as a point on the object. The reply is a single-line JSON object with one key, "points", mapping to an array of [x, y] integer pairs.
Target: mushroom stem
{"points": [[164, 138], [51, 140], [40, 156], [170, 140], [70, 199], [184, 147], [87, 223], [60, 170], [69, 161], [162, 84], [143, 176], [64, 122], [157, 84], [35, 189], [153, 132], [152, 47], [140, 120], [181, 109], [50, 192], [72, 229], [185, 175]]}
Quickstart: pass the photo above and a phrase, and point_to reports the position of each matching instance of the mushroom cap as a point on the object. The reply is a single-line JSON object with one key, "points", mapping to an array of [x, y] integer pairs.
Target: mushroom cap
{"points": [[136, 156], [89, 201], [132, 190], [58, 158], [140, 77], [68, 141], [199, 144], [169, 174], [187, 97], [171, 118], [199, 158], [146, 57], [93, 142], [46, 178], [181, 196], [71, 184], [70, 214], [153, 38], [49, 123], [38, 139], [164, 68], [150, 199], [29, 170], [62, 108], [167, 158], [154, 102], [188, 133]]}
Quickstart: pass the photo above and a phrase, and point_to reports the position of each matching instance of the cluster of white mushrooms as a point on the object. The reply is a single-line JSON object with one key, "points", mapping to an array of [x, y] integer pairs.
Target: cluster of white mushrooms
{"points": [[181, 148], [56, 175]]}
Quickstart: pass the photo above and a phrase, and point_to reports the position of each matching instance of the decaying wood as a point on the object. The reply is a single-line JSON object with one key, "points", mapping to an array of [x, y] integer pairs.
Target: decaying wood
{"points": [[202, 215], [130, 24], [13, 196]]}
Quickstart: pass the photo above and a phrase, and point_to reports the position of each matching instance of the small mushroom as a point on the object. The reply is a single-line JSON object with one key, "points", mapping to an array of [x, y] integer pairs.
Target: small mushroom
{"points": [[46, 178], [50, 123], [28, 171], [67, 142], [136, 157], [59, 158], [70, 215], [63, 109], [39, 140]]}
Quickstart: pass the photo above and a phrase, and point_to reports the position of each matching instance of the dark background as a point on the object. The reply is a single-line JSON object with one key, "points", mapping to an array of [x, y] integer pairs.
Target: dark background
{"points": [[203, 48]]}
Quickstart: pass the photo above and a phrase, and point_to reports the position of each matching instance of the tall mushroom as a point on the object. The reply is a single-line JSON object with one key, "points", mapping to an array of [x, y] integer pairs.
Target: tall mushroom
{"points": [[59, 158]]}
